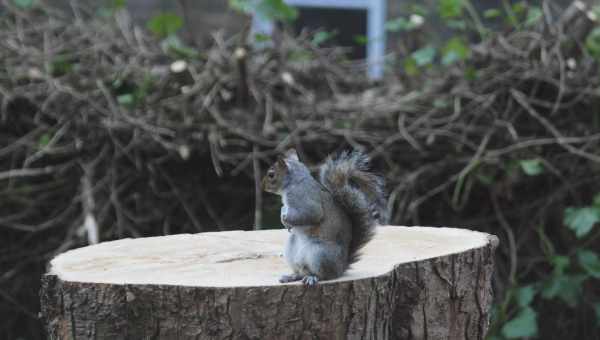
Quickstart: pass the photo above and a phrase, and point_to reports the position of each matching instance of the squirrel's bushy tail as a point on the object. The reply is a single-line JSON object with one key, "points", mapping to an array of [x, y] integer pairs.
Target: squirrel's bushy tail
{"points": [[359, 192]]}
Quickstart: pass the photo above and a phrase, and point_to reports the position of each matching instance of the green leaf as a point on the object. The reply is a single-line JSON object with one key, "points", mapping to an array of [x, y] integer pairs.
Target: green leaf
{"points": [[523, 325], [244, 6], [172, 44], [592, 43], [361, 39], [534, 14], [460, 25], [456, 49], [24, 4], [471, 73], [276, 10], [450, 8], [581, 220], [60, 65], [597, 200], [259, 37], [44, 140], [118, 4], [126, 99], [531, 167], [322, 36], [565, 287], [525, 295], [410, 66], [492, 13], [398, 24], [590, 262], [165, 24], [424, 56], [519, 7], [560, 264]]}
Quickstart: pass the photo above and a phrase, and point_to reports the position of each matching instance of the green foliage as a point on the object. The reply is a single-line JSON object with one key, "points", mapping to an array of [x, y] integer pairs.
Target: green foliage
{"points": [[165, 24], [582, 220], [525, 295], [24, 4], [60, 65], [565, 287], [267, 9], [492, 13], [424, 56], [401, 24], [456, 49], [44, 140], [592, 43], [531, 167], [590, 262], [173, 45], [534, 14], [523, 325], [361, 39], [259, 37], [450, 8], [322, 37], [410, 66]]}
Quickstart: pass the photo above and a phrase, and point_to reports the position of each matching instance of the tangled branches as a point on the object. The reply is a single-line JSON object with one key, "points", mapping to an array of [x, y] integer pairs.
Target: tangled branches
{"points": [[107, 133]]}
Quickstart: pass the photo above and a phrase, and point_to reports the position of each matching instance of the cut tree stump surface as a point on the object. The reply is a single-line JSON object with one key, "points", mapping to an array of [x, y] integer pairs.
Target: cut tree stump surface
{"points": [[241, 258], [411, 283]]}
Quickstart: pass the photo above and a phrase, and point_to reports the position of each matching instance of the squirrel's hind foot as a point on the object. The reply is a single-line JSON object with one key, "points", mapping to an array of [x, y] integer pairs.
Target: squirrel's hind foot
{"points": [[290, 278], [310, 280]]}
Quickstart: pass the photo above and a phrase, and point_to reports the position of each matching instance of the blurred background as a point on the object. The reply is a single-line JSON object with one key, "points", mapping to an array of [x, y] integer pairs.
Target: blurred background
{"points": [[132, 118]]}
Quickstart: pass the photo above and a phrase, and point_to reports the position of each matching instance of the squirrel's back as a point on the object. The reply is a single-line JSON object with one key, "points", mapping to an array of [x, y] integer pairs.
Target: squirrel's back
{"points": [[359, 192]]}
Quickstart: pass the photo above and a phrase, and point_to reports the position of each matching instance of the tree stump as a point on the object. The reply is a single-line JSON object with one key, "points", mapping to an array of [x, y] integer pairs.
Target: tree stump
{"points": [[411, 283]]}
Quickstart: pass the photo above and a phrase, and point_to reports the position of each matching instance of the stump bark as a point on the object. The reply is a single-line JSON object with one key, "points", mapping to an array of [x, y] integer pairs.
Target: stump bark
{"points": [[411, 283]]}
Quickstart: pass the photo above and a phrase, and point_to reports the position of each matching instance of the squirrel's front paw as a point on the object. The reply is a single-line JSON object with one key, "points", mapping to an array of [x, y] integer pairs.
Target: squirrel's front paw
{"points": [[310, 280], [290, 278]]}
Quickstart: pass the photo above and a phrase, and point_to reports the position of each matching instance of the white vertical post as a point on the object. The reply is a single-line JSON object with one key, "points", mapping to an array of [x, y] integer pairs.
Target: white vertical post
{"points": [[375, 27]]}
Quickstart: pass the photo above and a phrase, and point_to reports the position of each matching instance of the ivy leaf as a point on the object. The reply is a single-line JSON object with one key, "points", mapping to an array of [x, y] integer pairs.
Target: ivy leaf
{"points": [[597, 200], [534, 14], [424, 56], [321, 37], [403, 24], [125, 99], [172, 44], [565, 287], [276, 10], [492, 13], [523, 325], [456, 49], [582, 220], [560, 264], [410, 66], [44, 140], [531, 167], [165, 24], [60, 65], [361, 39], [260, 37], [450, 8], [24, 4], [590, 262], [525, 295]]}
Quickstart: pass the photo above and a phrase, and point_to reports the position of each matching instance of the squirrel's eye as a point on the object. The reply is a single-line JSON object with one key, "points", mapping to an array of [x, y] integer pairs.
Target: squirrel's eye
{"points": [[271, 174]]}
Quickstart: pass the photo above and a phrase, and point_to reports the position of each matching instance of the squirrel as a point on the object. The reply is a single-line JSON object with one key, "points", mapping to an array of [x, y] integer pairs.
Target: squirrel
{"points": [[329, 219]]}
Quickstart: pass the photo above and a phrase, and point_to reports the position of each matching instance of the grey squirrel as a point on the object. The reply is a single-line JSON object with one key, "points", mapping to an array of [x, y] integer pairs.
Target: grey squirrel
{"points": [[331, 219]]}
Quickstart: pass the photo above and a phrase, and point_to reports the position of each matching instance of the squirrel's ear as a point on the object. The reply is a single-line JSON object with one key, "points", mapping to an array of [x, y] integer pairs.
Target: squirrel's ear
{"points": [[291, 154], [281, 163]]}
